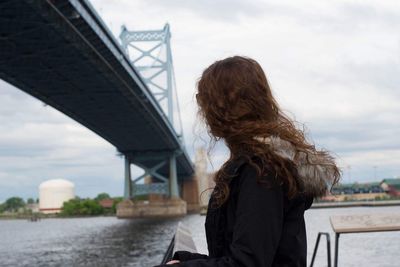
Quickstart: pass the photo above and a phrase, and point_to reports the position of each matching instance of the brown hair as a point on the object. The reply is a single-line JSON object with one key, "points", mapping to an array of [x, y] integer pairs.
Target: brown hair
{"points": [[236, 103]]}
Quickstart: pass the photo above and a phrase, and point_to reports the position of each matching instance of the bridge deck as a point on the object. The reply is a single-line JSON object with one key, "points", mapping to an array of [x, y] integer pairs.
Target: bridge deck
{"points": [[61, 53]]}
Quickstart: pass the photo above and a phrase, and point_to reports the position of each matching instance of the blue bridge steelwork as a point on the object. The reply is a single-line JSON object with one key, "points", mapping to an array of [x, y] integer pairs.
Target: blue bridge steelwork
{"points": [[60, 52]]}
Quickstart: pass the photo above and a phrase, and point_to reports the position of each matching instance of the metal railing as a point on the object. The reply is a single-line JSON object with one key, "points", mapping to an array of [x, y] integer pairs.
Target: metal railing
{"points": [[169, 253], [182, 240]]}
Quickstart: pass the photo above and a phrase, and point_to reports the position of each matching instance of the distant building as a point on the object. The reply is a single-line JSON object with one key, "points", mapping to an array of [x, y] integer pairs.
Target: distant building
{"points": [[391, 186], [34, 207], [106, 203], [358, 188], [53, 193], [201, 175], [210, 179], [356, 191]]}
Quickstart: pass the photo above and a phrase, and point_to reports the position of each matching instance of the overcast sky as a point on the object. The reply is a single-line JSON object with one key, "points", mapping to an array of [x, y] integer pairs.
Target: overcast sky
{"points": [[334, 65]]}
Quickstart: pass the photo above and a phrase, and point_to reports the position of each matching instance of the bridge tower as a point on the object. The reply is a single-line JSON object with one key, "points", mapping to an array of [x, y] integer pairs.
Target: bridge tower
{"points": [[150, 53]]}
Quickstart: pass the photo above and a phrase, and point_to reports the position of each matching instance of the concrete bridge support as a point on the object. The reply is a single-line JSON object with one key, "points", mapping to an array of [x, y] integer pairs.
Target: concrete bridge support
{"points": [[150, 53], [168, 204], [190, 193]]}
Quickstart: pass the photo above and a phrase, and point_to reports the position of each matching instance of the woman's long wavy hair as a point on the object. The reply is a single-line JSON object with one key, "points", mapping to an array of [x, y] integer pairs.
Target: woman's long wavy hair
{"points": [[236, 104]]}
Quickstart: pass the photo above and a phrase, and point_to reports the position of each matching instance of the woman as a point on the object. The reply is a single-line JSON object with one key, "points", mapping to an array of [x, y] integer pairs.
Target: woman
{"points": [[255, 213]]}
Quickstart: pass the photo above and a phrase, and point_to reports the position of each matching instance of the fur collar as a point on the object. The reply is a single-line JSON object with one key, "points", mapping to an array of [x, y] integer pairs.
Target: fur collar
{"points": [[316, 176]]}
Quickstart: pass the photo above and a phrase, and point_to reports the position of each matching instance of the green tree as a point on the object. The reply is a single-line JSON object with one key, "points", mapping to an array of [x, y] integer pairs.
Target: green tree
{"points": [[102, 196], [30, 201], [75, 207], [2, 207], [71, 207], [92, 207], [117, 200], [14, 203]]}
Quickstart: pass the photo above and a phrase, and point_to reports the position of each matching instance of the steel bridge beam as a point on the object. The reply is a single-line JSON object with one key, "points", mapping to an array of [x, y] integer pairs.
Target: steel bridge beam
{"points": [[128, 179], [154, 62], [165, 185]]}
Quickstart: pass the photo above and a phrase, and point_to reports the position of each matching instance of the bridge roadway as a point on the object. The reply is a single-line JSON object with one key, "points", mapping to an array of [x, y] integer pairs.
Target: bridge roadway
{"points": [[61, 52]]}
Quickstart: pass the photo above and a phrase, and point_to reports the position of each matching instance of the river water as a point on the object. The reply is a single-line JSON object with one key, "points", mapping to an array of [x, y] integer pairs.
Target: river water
{"points": [[107, 241]]}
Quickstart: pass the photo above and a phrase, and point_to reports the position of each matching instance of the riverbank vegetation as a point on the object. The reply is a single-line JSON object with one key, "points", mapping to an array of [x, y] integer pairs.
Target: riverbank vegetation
{"points": [[101, 205]]}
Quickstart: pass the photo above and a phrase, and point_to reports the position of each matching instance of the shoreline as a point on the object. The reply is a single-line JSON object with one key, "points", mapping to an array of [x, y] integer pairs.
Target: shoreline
{"points": [[40, 217], [315, 205], [374, 203], [344, 204]]}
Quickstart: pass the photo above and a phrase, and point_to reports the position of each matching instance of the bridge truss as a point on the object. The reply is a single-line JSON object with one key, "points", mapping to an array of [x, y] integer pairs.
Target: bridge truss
{"points": [[150, 53]]}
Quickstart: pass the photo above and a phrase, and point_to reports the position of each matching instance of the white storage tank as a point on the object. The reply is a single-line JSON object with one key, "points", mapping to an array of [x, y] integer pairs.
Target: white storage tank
{"points": [[53, 193]]}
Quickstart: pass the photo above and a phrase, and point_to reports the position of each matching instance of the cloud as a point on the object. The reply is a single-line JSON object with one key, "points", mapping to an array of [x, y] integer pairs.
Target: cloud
{"points": [[39, 143], [222, 10]]}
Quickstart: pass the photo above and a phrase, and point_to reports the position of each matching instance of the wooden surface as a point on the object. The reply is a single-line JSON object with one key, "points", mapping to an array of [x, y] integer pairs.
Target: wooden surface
{"points": [[359, 223]]}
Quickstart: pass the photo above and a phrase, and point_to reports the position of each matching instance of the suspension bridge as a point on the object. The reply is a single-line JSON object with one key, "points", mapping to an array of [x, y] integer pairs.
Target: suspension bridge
{"points": [[62, 53]]}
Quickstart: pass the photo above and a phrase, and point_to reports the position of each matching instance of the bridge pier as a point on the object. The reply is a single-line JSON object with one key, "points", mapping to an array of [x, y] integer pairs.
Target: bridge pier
{"points": [[128, 179], [169, 207], [168, 204], [141, 48], [173, 179]]}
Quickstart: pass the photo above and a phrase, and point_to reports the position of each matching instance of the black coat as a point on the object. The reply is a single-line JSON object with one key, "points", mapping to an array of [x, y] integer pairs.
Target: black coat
{"points": [[258, 226]]}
